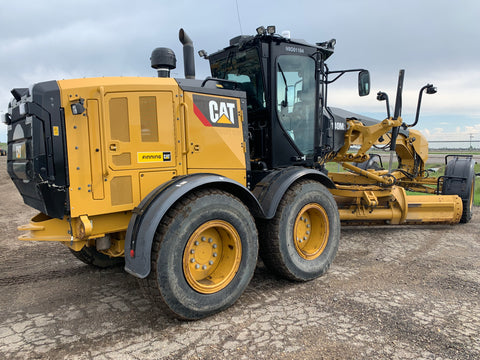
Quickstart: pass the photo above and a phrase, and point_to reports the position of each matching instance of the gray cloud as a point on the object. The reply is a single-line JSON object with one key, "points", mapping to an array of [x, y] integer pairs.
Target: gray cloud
{"points": [[434, 40]]}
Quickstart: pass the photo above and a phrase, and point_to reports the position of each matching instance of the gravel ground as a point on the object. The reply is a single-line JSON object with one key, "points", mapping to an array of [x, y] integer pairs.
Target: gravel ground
{"points": [[408, 292]]}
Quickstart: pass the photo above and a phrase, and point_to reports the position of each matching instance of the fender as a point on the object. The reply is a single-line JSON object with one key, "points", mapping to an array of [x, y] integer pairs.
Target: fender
{"points": [[270, 190], [458, 175], [147, 215]]}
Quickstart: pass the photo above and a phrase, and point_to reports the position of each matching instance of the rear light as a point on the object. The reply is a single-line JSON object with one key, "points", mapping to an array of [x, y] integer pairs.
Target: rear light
{"points": [[21, 169]]}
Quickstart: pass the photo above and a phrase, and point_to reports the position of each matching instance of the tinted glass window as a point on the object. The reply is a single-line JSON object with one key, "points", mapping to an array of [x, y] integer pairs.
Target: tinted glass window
{"points": [[244, 68], [296, 98]]}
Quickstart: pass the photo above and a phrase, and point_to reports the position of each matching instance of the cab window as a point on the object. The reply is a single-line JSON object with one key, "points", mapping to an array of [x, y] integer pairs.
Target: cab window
{"points": [[296, 99], [244, 68]]}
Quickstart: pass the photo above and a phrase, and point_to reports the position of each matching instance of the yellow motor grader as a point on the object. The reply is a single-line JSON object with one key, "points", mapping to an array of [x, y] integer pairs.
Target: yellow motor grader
{"points": [[186, 181]]}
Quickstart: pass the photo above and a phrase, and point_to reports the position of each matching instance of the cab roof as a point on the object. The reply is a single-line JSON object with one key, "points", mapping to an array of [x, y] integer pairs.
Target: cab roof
{"points": [[242, 41]]}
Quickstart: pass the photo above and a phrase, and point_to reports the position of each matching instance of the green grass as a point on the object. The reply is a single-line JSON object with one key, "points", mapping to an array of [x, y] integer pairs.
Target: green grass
{"points": [[446, 152], [476, 196]]}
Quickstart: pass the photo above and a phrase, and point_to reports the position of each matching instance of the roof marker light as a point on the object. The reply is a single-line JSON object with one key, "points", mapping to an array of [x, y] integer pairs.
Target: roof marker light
{"points": [[261, 30], [271, 29]]}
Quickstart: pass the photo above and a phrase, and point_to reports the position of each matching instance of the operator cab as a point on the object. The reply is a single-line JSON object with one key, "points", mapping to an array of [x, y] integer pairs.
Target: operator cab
{"points": [[285, 82]]}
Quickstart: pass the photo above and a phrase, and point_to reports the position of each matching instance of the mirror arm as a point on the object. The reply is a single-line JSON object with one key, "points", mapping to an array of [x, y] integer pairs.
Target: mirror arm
{"points": [[383, 96], [430, 90], [340, 73]]}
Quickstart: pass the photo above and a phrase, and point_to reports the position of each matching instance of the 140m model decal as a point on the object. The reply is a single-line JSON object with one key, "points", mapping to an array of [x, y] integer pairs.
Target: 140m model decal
{"points": [[215, 111]]}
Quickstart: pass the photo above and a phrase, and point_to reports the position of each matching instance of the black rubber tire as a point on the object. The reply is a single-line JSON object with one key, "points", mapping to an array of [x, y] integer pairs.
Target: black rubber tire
{"points": [[468, 203], [371, 163], [460, 180], [277, 248], [167, 285], [90, 256]]}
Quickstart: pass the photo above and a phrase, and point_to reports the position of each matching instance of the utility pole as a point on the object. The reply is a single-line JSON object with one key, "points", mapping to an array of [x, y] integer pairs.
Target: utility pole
{"points": [[471, 137]]}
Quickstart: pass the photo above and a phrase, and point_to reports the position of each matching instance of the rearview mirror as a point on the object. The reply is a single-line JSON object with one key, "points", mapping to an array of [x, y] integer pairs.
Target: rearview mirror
{"points": [[363, 83]]}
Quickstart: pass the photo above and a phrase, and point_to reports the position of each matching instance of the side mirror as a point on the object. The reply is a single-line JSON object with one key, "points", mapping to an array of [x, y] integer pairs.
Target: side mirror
{"points": [[363, 83]]}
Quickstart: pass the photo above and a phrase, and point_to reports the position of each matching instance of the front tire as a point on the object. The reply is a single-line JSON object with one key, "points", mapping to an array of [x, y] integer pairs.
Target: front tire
{"points": [[301, 241], [203, 256]]}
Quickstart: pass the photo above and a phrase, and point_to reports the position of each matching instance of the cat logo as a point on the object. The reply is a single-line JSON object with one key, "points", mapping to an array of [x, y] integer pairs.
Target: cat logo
{"points": [[214, 111]]}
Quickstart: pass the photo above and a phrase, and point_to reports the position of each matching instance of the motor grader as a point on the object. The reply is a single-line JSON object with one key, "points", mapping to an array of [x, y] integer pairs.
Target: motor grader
{"points": [[186, 180]]}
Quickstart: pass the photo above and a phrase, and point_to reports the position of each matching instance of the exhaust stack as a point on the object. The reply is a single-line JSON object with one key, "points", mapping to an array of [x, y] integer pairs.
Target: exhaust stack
{"points": [[188, 58]]}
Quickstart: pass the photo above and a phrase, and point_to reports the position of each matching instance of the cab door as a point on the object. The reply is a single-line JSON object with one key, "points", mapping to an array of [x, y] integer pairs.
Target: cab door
{"points": [[294, 100]]}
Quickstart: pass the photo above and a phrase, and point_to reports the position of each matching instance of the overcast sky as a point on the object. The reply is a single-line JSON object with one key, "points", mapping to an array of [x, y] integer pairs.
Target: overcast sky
{"points": [[435, 41]]}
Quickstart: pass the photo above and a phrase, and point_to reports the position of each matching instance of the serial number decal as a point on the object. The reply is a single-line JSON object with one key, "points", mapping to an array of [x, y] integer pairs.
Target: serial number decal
{"points": [[295, 49], [157, 156]]}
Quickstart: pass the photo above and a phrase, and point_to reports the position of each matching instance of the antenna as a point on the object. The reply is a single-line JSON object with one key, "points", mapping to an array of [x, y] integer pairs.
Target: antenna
{"points": [[238, 16]]}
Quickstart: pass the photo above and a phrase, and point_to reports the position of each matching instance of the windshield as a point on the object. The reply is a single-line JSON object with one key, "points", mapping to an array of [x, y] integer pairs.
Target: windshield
{"points": [[244, 68], [296, 99]]}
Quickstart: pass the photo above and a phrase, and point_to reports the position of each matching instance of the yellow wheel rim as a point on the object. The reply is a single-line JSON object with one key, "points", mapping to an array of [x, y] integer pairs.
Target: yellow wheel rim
{"points": [[311, 231], [212, 256]]}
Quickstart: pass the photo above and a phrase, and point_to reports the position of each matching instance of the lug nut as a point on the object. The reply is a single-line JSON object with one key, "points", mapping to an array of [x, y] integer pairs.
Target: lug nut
{"points": [[210, 240], [214, 246], [214, 254], [192, 251], [204, 267], [192, 260], [196, 243], [197, 266], [210, 262], [203, 238]]}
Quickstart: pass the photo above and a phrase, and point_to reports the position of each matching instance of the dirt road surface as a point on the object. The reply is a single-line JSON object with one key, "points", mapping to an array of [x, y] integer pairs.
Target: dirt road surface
{"points": [[391, 293]]}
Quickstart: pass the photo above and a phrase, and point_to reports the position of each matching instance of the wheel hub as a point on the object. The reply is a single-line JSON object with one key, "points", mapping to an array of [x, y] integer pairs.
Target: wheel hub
{"points": [[311, 231], [212, 256]]}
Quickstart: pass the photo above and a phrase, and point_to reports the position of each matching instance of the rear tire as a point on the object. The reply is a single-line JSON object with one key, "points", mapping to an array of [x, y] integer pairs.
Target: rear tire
{"points": [[90, 256], [203, 256], [301, 241]]}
